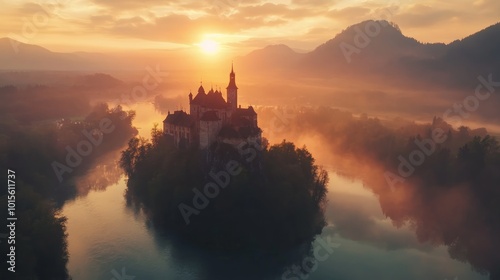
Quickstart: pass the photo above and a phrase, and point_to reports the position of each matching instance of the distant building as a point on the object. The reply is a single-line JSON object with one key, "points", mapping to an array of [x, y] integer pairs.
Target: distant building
{"points": [[211, 119], [180, 126]]}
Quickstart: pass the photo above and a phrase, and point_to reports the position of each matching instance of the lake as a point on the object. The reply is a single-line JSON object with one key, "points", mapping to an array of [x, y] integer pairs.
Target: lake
{"points": [[109, 240]]}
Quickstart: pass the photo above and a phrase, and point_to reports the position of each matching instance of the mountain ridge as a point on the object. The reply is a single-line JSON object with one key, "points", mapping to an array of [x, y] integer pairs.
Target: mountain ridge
{"points": [[380, 50], [372, 49]]}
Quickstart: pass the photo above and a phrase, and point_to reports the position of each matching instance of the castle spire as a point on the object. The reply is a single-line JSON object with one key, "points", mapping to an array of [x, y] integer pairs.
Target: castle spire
{"points": [[232, 90], [232, 78]]}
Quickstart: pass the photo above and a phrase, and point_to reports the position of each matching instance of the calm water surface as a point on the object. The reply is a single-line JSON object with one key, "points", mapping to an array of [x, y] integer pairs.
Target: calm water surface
{"points": [[107, 238]]}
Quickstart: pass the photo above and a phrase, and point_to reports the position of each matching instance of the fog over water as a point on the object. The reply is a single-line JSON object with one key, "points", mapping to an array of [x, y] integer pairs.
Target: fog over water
{"points": [[372, 131], [106, 235]]}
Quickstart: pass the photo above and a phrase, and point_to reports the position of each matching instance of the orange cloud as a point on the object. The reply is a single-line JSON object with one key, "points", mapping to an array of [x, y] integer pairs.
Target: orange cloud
{"points": [[300, 23]]}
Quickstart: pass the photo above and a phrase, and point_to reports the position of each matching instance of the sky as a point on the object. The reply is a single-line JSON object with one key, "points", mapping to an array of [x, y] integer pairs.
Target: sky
{"points": [[234, 25]]}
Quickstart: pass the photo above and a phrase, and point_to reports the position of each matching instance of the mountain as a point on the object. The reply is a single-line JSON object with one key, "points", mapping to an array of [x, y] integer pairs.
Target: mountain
{"points": [[15, 55], [376, 50], [477, 54], [369, 46], [270, 58], [379, 50], [19, 56], [480, 47], [353, 48], [98, 81]]}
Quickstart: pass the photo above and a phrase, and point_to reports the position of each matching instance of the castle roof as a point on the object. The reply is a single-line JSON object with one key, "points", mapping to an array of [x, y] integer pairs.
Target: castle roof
{"points": [[210, 116], [201, 89], [245, 112], [243, 117], [200, 97], [232, 79], [212, 100], [179, 118], [215, 100]]}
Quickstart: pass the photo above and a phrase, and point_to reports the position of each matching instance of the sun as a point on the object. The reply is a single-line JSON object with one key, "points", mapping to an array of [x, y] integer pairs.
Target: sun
{"points": [[209, 46]]}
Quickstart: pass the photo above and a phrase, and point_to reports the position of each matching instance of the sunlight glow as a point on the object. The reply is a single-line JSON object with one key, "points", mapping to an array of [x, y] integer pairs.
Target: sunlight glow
{"points": [[209, 46]]}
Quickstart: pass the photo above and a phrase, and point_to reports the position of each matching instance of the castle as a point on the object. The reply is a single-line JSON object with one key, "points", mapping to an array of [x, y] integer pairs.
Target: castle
{"points": [[211, 119]]}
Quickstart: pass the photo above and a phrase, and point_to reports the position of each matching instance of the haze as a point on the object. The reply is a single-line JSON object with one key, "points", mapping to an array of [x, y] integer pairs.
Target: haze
{"points": [[239, 26], [361, 92]]}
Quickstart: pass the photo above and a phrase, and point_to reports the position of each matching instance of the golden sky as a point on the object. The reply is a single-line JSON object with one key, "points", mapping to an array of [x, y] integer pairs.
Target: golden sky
{"points": [[88, 25]]}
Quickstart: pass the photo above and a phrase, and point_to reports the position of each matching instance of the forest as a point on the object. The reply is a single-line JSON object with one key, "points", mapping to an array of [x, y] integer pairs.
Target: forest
{"points": [[272, 200], [447, 190], [30, 150]]}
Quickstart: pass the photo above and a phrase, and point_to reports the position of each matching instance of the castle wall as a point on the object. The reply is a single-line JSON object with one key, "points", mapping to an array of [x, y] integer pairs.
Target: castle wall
{"points": [[179, 133], [208, 132], [232, 98]]}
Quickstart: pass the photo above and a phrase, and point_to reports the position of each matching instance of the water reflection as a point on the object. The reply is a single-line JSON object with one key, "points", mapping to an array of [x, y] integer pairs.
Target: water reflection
{"points": [[216, 265], [383, 233], [459, 217], [211, 264], [358, 217], [106, 234], [105, 172]]}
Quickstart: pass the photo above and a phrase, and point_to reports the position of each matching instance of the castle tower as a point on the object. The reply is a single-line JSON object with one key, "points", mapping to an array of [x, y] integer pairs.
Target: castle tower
{"points": [[232, 90]]}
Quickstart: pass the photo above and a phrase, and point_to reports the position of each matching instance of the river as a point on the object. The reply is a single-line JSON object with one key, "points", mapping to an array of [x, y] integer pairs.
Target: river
{"points": [[109, 240]]}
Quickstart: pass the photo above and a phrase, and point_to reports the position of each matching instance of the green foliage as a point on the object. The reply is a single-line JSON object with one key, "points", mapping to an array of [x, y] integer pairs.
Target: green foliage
{"points": [[476, 155], [275, 202], [33, 104], [30, 150], [41, 248], [452, 197]]}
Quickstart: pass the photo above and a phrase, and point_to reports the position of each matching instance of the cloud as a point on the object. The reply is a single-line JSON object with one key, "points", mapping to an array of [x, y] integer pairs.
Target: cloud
{"points": [[180, 28], [276, 10], [128, 5], [186, 22], [349, 13], [425, 16], [303, 23], [314, 3]]}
